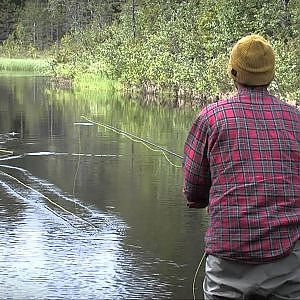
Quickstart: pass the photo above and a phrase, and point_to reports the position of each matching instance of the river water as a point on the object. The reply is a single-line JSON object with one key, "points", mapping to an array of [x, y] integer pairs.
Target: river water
{"points": [[86, 212]]}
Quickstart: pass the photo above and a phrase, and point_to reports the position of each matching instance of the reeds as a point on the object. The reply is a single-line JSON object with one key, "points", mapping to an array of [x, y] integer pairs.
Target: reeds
{"points": [[24, 65], [95, 82]]}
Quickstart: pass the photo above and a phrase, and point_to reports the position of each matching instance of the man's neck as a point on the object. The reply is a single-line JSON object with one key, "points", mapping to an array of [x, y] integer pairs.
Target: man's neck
{"points": [[241, 87]]}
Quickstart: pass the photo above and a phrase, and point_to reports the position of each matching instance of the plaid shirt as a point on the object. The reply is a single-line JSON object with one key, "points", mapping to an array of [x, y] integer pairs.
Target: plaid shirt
{"points": [[242, 159]]}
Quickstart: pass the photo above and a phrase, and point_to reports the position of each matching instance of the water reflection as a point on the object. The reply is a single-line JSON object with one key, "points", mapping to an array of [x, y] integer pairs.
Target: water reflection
{"points": [[85, 212]]}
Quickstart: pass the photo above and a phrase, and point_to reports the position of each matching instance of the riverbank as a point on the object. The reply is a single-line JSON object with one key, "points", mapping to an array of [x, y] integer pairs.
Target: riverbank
{"points": [[94, 82], [161, 95]]}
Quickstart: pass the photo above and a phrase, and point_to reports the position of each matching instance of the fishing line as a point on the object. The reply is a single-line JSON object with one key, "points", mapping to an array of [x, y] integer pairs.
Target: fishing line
{"points": [[160, 149], [78, 162], [7, 153], [137, 139], [196, 273], [133, 138], [52, 202], [48, 208], [44, 184]]}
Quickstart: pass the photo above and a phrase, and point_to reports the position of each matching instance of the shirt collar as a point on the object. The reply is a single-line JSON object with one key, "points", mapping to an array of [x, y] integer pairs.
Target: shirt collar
{"points": [[256, 94]]}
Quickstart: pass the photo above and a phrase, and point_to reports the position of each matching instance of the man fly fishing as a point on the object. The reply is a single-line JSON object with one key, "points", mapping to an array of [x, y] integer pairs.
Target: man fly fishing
{"points": [[242, 161]]}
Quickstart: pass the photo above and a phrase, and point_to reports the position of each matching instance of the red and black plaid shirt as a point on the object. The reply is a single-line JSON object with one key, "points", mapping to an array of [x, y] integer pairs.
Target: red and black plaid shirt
{"points": [[242, 158]]}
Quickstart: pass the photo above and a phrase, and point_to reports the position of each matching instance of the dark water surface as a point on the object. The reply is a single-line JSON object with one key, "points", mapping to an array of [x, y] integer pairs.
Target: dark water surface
{"points": [[86, 213]]}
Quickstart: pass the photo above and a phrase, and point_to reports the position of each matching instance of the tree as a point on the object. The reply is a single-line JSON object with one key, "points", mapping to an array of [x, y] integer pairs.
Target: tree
{"points": [[8, 16]]}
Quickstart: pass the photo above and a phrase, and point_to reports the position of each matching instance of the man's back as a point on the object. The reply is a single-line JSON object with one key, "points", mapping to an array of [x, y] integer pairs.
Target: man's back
{"points": [[253, 146]]}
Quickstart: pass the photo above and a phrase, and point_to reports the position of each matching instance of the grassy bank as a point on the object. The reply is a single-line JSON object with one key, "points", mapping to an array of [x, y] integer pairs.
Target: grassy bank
{"points": [[41, 66], [95, 82]]}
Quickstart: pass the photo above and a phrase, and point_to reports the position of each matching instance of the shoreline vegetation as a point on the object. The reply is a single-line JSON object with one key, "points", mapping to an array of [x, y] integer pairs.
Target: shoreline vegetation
{"points": [[174, 50], [40, 66]]}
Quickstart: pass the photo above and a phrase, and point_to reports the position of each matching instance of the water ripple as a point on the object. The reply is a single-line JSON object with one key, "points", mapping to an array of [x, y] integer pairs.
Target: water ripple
{"points": [[45, 258]]}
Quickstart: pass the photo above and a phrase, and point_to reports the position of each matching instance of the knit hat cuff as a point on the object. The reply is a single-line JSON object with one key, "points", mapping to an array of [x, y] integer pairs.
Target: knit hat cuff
{"points": [[250, 78]]}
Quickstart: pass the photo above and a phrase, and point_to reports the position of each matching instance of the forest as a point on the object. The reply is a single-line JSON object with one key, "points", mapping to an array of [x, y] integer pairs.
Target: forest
{"points": [[179, 47]]}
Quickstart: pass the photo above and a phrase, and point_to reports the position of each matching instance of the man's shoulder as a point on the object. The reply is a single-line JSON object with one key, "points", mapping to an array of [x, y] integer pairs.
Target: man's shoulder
{"points": [[288, 106], [287, 110]]}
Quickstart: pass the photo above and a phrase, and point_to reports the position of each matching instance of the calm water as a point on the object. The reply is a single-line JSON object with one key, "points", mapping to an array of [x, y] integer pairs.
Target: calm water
{"points": [[87, 213]]}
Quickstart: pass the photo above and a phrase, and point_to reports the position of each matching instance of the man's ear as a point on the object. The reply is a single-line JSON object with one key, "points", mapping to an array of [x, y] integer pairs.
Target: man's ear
{"points": [[233, 72]]}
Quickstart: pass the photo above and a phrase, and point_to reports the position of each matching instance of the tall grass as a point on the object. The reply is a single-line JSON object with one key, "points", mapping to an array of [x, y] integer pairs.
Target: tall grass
{"points": [[95, 82], [25, 65]]}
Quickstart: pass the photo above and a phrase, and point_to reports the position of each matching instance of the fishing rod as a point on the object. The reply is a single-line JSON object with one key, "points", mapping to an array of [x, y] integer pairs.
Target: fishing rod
{"points": [[135, 138]]}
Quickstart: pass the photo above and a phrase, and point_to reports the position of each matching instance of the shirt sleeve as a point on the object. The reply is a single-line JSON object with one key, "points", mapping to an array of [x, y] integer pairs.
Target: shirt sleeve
{"points": [[197, 179]]}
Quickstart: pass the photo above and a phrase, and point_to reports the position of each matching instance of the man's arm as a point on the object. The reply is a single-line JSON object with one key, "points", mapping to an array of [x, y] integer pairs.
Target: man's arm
{"points": [[197, 179]]}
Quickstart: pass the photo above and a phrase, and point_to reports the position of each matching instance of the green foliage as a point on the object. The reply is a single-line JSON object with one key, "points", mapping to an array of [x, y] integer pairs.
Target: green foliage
{"points": [[288, 69], [13, 48], [178, 46]]}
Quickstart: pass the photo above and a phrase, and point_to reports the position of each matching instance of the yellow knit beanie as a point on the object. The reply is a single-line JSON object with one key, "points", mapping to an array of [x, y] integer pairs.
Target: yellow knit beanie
{"points": [[252, 61]]}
